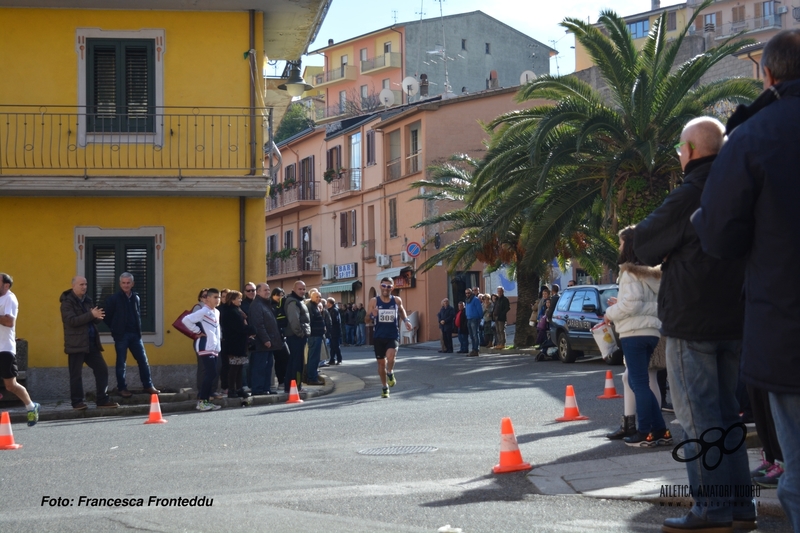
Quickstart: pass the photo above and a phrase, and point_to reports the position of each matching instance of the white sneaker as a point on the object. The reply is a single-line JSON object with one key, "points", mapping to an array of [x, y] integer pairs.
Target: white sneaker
{"points": [[203, 405], [214, 406]]}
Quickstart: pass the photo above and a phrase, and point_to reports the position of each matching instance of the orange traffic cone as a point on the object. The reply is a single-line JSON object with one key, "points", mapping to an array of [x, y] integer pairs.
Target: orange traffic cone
{"points": [[155, 411], [510, 457], [294, 396], [571, 408], [6, 436], [610, 391]]}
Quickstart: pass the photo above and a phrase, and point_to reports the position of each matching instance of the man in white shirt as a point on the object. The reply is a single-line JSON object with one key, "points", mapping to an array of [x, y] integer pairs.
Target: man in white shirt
{"points": [[8, 348]]}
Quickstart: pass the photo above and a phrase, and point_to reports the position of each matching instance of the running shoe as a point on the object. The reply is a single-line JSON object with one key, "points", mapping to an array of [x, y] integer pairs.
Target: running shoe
{"points": [[641, 440], [203, 405], [762, 468], [214, 407], [33, 414], [664, 438], [390, 379], [770, 479], [385, 393]]}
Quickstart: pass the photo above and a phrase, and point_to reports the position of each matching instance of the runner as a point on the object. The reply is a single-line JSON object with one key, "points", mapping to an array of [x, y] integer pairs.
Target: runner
{"points": [[383, 312]]}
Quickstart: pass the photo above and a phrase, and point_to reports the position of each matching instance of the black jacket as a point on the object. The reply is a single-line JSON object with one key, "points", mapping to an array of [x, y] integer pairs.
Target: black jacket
{"points": [[501, 308], [336, 323], [234, 331], [749, 211], [116, 309], [448, 314], [317, 320], [78, 320], [262, 319], [700, 298]]}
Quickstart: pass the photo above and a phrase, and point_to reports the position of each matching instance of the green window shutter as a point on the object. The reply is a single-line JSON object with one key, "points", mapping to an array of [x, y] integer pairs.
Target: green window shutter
{"points": [[107, 258], [120, 85]]}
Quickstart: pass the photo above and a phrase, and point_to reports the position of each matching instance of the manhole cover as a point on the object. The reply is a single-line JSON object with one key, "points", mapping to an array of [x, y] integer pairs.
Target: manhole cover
{"points": [[398, 450]]}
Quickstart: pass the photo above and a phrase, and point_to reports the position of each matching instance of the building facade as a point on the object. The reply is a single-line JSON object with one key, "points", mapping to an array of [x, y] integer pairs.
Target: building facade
{"points": [[119, 151]]}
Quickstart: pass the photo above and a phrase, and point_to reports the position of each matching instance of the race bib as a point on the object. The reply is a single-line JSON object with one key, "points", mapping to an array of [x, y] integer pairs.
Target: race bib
{"points": [[386, 315]]}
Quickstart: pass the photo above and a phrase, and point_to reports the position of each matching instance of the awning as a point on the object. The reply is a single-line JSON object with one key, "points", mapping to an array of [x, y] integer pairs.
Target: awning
{"points": [[392, 272], [341, 286]]}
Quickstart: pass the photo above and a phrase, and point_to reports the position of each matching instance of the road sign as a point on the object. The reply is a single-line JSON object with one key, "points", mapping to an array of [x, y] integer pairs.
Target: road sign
{"points": [[413, 249]]}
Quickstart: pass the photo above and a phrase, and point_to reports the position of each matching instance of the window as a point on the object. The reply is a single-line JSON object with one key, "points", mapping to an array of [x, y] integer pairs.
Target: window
{"points": [[737, 14], [353, 228], [104, 254], [348, 232], [371, 147], [364, 92], [463, 44], [639, 28], [121, 85], [343, 60], [334, 158], [710, 21], [393, 217], [305, 243], [108, 258], [672, 20], [387, 47], [307, 169], [577, 302], [386, 83], [363, 54], [272, 243], [768, 9], [488, 48], [563, 301], [355, 161], [288, 239], [342, 101], [290, 173]]}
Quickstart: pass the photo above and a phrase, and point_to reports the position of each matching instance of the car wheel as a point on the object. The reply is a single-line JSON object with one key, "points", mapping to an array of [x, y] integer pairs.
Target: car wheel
{"points": [[565, 353], [616, 357]]}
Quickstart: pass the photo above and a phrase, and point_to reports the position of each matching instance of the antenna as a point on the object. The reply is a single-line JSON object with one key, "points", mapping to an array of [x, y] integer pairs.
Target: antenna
{"points": [[444, 50], [394, 15]]}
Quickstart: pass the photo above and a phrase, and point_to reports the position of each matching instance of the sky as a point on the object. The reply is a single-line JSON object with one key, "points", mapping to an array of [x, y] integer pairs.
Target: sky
{"points": [[537, 18]]}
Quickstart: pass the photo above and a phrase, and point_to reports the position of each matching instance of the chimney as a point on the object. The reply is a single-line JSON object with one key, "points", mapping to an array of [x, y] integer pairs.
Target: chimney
{"points": [[330, 41], [656, 4]]}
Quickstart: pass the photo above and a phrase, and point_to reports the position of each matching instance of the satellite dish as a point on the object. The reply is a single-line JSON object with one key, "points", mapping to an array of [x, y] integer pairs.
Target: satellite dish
{"points": [[410, 85], [387, 97], [526, 76]]}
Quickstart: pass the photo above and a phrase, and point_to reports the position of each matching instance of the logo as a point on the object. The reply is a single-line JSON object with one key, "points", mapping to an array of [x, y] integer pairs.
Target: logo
{"points": [[706, 446]]}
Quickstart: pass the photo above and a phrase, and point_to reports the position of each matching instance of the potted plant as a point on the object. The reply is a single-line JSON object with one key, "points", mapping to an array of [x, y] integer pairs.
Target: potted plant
{"points": [[288, 183], [329, 175]]}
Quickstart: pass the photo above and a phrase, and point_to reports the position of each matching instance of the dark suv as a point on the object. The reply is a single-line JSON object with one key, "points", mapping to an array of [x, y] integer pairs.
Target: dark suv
{"points": [[578, 310]]}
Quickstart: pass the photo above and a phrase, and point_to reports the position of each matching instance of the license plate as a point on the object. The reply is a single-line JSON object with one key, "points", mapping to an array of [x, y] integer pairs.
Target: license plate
{"points": [[579, 324]]}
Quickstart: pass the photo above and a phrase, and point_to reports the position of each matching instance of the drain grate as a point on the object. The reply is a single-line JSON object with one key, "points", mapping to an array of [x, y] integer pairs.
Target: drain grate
{"points": [[398, 450]]}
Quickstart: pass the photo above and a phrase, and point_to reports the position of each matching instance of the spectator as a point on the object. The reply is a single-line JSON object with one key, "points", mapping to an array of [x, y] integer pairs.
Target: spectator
{"points": [[554, 296], [249, 294], [268, 340], [297, 332], [488, 327], [543, 326], [463, 328], [123, 317], [634, 315], [335, 333], [315, 338], [446, 317], [747, 211], [277, 300], [350, 319], [501, 309], [235, 335], [701, 314], [205, 323], [361, 325], [571, 283], [474, 314], [82, 343]]}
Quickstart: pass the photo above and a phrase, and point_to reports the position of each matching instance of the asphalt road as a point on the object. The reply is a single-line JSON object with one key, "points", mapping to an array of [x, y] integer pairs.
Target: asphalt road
{"points": [[297, 468]]}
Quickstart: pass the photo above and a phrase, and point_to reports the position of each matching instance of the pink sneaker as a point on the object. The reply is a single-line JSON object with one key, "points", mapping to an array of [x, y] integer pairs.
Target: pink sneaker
{"points": [[762, 468], [770, 479]]}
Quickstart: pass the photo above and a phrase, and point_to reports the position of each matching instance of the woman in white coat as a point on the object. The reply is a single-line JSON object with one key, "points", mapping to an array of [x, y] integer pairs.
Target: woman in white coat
{"points": [[635, 317]]}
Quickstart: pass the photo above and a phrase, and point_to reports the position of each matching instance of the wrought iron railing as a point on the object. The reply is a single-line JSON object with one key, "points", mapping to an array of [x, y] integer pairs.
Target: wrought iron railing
{"points": [[300, 261], [300, 191], [350, 180], [727, 29], [169, 140], [391, 59]]}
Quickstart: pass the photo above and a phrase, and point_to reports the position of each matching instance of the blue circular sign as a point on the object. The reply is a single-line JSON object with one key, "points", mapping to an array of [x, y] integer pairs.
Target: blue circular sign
{"points": [[413, 249]]}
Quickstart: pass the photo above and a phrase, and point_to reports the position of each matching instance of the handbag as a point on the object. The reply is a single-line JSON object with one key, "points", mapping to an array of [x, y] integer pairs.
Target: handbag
{"points": [[181, 327], [658, 361]]}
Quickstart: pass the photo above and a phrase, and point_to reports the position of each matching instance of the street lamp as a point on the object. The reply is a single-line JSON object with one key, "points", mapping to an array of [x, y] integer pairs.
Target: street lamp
{"points": [[295, 85]]}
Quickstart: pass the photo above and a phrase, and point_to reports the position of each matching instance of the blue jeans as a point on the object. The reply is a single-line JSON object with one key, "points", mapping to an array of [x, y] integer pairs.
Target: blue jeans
{"points": [[132, 342], [209, 363], [638, 351], [784, 408], [361, 334], [351, 334], [474, 325], [312, 365], [463, 340], [294, 366], [702, 379], [261, 372]]}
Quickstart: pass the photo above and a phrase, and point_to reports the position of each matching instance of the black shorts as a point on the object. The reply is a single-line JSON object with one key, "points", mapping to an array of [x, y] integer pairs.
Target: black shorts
{"points": [[381, 345], [8, 365]]}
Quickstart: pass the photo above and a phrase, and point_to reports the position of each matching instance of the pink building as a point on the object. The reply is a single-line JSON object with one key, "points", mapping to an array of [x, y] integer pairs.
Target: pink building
{"points": [[343, 217]]}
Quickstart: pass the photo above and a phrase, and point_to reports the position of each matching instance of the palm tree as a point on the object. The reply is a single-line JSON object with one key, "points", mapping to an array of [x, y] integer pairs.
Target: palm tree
{"points": [[587, 155]]}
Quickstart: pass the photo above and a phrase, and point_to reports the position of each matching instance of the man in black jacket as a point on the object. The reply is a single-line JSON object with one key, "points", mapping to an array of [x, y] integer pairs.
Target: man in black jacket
{"points": [[334, 333], [268, 340], [501, 308], [749, 211], [123, 317], [447, 317], [701, 314]]}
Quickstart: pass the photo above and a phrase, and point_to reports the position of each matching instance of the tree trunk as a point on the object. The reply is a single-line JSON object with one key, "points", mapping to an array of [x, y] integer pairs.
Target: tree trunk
{"points": [[527, 290]]}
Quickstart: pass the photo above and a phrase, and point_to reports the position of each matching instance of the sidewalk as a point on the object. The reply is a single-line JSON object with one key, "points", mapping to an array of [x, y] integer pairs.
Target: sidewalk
{"points": [[139, 404], [638, 477]]}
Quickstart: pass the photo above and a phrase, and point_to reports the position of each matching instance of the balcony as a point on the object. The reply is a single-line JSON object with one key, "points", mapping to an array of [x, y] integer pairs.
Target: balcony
{"points": [[331, 111], [297, 262], [380, 63], [393, 169], [348, 181], [343, 73], [414, 162], [169, 141], [292, 199], [716, 31], [368, 251]]}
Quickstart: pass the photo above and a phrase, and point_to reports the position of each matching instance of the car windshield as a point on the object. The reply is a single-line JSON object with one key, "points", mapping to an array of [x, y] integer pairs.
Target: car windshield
{"points": [[605, 295]]}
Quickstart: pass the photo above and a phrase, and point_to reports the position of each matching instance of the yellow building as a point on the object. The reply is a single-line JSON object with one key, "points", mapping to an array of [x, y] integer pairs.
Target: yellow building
{"points": [[131, 139]]}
